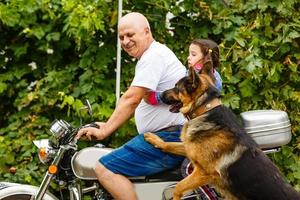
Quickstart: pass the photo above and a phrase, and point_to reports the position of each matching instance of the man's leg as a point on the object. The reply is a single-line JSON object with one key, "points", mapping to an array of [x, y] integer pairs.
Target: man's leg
{"points": [[135, 158], [117, 185]]}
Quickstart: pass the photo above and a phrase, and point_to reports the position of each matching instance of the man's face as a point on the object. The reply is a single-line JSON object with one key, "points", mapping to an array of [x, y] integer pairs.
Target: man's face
{"points": [[133, 39]]}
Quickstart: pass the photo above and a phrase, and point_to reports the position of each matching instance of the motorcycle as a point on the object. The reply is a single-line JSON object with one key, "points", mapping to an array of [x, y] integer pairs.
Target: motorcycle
{"points": [[71, 167]]}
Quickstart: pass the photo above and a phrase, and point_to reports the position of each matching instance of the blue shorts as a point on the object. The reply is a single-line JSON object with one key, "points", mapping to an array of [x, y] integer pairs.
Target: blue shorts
{"points": [[139, 158]]}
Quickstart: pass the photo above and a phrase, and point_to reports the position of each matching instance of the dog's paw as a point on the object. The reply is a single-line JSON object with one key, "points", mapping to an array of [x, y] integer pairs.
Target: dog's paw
{"points": [[154, 140]]}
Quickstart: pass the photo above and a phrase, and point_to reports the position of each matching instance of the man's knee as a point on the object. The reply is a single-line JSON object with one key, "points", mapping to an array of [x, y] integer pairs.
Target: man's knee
{"points": [[102, 172]]}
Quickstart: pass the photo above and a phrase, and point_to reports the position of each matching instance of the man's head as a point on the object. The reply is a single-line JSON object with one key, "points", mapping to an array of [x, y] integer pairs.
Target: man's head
{"points": [[135, 34]]}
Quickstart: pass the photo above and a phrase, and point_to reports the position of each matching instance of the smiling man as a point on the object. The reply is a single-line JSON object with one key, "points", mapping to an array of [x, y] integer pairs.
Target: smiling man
{"points": [[135, 35], [157, 69]]}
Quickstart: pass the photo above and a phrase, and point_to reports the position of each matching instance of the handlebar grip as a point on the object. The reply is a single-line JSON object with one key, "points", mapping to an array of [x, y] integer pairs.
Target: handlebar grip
{"points": [[93, 124]]}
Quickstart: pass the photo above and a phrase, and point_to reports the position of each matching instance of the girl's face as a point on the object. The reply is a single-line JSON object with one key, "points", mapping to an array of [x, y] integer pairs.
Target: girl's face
{"points": [[195, 55]]}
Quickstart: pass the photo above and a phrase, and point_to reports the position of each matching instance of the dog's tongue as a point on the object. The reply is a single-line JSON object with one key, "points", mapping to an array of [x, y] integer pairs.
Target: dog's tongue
{"points": [[175, 107]]}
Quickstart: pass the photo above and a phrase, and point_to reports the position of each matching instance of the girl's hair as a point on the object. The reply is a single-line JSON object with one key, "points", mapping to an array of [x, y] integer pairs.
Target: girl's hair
{"points": [[210, 52]]}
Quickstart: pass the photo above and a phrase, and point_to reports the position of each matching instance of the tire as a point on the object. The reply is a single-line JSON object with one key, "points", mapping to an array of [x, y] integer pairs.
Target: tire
{"points": [[19, 197], [15, 191]]}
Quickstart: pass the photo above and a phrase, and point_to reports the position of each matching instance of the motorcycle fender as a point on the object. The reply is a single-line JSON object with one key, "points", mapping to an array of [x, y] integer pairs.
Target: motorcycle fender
{"points": [[84, 161], [9, 189]]}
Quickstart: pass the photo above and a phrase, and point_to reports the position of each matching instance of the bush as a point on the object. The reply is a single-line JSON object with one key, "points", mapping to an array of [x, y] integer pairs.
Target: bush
{"points": [[54, 54]]}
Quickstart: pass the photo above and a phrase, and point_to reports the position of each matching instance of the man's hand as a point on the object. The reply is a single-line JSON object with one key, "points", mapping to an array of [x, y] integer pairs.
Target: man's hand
{"points": [[93, 133]]}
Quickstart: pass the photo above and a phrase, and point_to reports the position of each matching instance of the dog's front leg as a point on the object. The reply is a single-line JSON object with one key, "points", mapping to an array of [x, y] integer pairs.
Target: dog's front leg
{"points": [[170, 147], [191, 182]]}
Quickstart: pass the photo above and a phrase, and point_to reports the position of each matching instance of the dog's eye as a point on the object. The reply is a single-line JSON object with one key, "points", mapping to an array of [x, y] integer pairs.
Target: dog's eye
{"points": [[176, 90]]}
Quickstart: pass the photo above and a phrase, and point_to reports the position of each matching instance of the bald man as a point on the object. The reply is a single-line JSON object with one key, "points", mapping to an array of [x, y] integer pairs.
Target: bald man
{"points": [[157, 69]]}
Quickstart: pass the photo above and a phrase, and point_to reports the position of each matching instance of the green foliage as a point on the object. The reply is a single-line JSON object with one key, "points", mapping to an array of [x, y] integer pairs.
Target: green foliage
{"points": [[289, 165], [54, 54]]}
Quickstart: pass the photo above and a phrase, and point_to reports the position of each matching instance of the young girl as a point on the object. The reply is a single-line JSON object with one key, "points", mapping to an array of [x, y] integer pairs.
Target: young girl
{"points": [[202, 52]]}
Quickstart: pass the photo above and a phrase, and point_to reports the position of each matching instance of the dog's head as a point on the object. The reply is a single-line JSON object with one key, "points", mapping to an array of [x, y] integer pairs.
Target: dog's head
{"points": [[190, 91]]}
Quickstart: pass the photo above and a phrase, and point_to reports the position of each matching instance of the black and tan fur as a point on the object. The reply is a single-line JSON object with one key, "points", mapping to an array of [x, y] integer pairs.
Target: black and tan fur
{"points": [[222, 153]]}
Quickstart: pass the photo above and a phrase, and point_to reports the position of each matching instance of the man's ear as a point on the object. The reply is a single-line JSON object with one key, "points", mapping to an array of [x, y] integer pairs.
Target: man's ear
{"points": [[147, 30], [194, 78]]}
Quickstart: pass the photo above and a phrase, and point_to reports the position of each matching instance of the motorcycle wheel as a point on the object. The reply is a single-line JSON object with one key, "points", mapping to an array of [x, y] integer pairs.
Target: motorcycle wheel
{"points": [[19, 197], [15, 191]]}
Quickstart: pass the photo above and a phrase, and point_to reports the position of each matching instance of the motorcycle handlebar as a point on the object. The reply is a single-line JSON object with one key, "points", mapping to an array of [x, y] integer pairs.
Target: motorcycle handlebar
{"points": [[72, 137], [93, 124]]}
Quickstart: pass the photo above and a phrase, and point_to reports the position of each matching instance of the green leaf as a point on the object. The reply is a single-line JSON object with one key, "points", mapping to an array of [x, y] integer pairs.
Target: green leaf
{"points": [[38, 32], [294, 35], [12, 135], [231, 101], [20, 50], [3, 87], [85, 88], [78, 105], [296, 96], [28, 178], [297, 174], [247, 88], [9, 158], [55, 36], [8, 15], [240, 41], [253, 64], [69, 100]]}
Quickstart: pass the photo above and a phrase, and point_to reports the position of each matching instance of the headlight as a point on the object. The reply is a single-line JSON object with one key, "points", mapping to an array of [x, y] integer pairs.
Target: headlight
{"points": [[44, 155], [46, 152], [59, 128]]}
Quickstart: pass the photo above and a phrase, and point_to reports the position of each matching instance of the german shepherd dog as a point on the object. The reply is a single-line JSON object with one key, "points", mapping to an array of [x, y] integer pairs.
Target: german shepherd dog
{"points": [[221, 151]]}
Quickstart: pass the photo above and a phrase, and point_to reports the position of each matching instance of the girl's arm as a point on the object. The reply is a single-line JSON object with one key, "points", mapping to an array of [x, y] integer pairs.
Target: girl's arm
{"points": [[153, 98]]}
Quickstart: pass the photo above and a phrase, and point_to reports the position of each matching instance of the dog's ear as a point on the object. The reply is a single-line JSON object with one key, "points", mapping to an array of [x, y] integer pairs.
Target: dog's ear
{"points": [[194, 78], [207, 68]]}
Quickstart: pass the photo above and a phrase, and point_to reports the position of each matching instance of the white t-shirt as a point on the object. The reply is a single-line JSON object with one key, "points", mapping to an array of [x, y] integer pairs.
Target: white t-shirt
{"points": [[158, 69]]}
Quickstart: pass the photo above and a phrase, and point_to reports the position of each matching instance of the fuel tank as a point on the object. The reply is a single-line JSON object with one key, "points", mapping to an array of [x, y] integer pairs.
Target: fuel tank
{"points": [[84, 161]]}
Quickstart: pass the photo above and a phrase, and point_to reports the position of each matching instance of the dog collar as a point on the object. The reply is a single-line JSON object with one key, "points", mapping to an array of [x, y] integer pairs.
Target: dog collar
{"points": [[204, 108]]}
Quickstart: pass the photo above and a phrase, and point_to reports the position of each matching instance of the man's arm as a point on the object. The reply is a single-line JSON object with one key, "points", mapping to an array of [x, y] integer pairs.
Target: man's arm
{"points": [[124, 111], [125, 108]]}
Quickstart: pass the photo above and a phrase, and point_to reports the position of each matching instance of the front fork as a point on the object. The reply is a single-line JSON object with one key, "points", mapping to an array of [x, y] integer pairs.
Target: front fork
{"points": [[48, 177], [75, 190]]}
